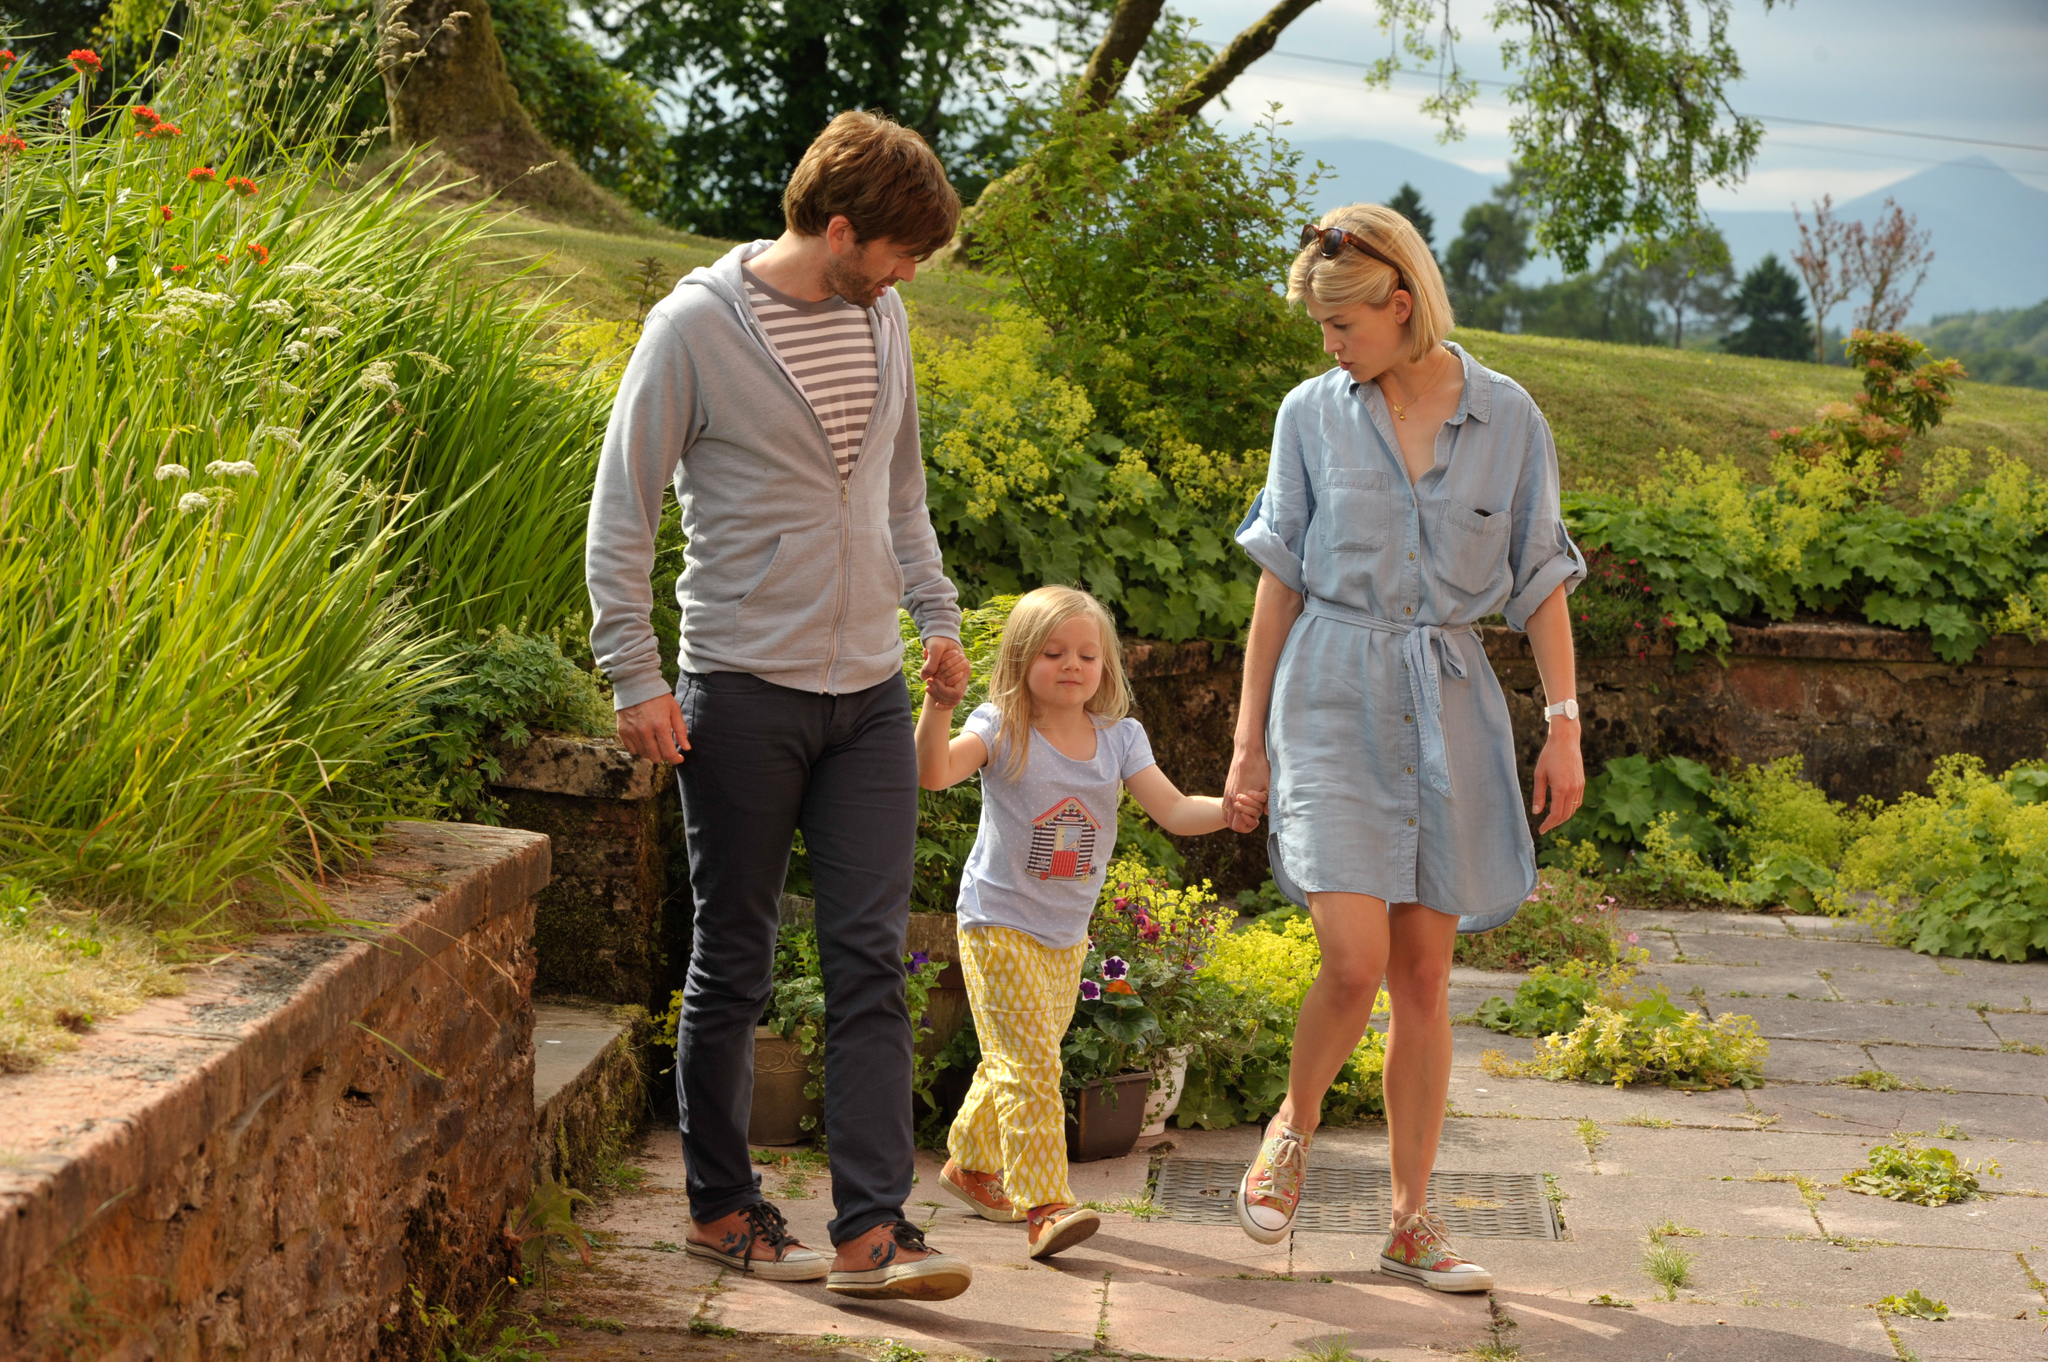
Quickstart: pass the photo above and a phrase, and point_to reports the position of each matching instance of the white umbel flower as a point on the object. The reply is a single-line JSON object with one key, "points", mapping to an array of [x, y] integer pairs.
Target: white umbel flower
{"points": [[192, 501], [377, 377], [195, 297], [296, 351], [300, 271], [323, 333], [165, 471], [237, 468], [284, 435], [277, 309]]}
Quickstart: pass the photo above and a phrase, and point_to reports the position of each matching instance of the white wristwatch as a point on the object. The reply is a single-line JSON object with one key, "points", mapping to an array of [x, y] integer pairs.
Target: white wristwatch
{"points": [[1567, 708]]}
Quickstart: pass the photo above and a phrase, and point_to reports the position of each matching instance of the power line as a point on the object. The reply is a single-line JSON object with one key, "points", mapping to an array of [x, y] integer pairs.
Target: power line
{"points": [[1767, 118]]}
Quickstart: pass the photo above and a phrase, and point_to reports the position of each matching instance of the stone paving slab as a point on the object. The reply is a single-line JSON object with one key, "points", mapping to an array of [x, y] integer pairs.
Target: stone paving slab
{"points": [[2020, 1028], [1208, 1318], [1797, 1019], [1966, 1070], [1975, 1340], [1983, 1116], [1632, 1205], [1788, 1273], [2004, 1223]]}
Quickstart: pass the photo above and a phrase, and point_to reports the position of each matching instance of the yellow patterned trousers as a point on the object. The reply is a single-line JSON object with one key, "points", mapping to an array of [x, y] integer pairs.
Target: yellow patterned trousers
{"points": [[1013, 1120]]}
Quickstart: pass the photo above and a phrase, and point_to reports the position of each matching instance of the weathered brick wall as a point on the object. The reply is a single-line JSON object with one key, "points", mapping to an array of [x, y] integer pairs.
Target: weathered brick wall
{"points": [[265, 1165], [1868, 709]]}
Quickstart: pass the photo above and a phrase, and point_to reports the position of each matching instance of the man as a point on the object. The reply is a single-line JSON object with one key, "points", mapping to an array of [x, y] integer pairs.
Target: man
{"points": [[774, 389]]}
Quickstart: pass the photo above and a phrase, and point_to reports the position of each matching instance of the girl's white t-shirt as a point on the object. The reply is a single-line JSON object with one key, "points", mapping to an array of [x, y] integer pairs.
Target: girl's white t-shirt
{"points": [[1046, 837]]}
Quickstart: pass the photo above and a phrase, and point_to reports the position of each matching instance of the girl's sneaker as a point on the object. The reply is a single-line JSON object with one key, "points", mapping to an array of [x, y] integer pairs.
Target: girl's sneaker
{"points": [[1419, 1250], [1270, 1191], [1060, 1227], [983, 1193]]}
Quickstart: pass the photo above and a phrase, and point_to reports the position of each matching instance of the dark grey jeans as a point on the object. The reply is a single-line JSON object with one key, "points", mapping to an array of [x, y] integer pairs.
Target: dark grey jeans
{"points": [[763, 762]]}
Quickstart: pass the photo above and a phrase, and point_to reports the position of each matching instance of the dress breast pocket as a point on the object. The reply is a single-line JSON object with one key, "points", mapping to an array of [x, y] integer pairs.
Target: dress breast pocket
{"points": [[1472, 549], [1354, 509]]}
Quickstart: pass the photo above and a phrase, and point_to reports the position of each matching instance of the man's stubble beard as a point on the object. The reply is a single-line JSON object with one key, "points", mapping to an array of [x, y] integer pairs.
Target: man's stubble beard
{"points": [[847, 281]]}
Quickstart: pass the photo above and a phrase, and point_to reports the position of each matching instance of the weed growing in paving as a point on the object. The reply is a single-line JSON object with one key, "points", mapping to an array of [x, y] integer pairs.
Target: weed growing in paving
{"points": [[2018, 1047], [1915, 1304], [713, 1329], [1644, 1119], [666, 1246], [1671, 1229], [1593, 1027], [1949, 1130], [1138, 1208], [1591, 1136], [1499, 1347], [1569, 917], [1878, 1080], [1923, 1176], [1669, 1267], [1611, 1301], [1332, 1350], [1809, 1190], [893, 1351]]}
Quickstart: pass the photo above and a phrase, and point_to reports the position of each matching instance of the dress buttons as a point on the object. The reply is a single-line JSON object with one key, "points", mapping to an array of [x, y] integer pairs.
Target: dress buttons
{"points": [[1411, 822], [1407, 609], [1407, 718], [1411, 556], [1410, 770]]}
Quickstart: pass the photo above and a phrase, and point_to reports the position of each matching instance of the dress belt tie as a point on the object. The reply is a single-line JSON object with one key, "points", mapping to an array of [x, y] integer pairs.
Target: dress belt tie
{"points": [[1425, 650]]}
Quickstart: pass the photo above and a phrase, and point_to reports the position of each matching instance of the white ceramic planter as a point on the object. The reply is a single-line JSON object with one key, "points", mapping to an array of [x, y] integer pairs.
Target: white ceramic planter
{"points": [[1170, 1075]]}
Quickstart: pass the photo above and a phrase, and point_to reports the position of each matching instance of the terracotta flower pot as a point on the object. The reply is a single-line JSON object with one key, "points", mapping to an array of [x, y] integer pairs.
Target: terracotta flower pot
{"points": [[1109, 1113], [780, 1072]]}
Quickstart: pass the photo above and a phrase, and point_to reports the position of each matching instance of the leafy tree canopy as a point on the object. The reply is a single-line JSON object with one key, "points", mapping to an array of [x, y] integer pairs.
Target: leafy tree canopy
{"points": [[1408, 203]]}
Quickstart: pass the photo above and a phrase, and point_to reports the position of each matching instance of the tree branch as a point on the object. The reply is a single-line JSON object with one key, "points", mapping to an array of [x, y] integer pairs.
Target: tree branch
{"points": [[1246, 48], [1118, 51]]}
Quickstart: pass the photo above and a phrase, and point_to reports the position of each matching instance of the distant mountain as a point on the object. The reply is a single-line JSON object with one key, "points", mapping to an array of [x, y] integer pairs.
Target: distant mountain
{"points": [[1990, 228]]}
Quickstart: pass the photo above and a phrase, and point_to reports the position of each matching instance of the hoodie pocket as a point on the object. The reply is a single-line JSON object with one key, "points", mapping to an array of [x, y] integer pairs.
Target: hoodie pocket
{"points": [[788, 614], [874, 588]]}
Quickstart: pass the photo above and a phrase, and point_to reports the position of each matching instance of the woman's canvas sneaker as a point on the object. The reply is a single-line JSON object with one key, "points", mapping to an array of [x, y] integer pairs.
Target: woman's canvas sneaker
{"points": [[1270, 1191], [1419, 1250], [756, 1239], [1060, 1227], [895, 1263], [983, 1193]]}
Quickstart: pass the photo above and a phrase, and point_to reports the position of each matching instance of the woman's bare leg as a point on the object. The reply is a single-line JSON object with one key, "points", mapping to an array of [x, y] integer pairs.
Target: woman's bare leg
{"points": [[1418, 1073], [1352, 931]]}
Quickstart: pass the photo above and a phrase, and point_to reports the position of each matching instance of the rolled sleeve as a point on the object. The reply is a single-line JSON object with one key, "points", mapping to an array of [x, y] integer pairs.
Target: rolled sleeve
{"points": [[1541, 554], [1275, 530]]}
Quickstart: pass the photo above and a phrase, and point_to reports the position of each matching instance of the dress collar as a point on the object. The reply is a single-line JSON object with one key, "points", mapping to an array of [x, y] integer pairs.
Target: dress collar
{"points": [[1475, 398]]}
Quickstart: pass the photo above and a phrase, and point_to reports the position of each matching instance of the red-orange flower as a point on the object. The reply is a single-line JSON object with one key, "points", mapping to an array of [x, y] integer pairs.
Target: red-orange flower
{"points": [[7, 59], [203, 174], [219, 258], [245, 187], [160, 130], [145, 115], [84, 61], [1118, 986], [260, 251], [177, 269], [10, 144], [166, 211]]}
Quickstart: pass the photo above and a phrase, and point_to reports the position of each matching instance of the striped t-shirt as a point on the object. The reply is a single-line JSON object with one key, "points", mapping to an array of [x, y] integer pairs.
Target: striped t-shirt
{"points": [[830, 349]]}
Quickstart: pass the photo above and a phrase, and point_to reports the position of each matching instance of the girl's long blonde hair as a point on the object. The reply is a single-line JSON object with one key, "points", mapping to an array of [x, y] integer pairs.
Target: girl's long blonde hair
{"points": [[1032, 621]]}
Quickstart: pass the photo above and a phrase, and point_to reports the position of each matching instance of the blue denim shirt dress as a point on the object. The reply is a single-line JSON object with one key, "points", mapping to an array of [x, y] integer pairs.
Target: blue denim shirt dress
{"points": [[1393, 761]]}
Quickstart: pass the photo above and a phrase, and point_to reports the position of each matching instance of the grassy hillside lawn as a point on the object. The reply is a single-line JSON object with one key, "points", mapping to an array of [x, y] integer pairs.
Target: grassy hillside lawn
{"points": [[1612, 407]]}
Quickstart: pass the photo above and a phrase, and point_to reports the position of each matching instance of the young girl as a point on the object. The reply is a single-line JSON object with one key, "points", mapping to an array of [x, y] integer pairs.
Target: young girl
{"points": [[1055, 754]]}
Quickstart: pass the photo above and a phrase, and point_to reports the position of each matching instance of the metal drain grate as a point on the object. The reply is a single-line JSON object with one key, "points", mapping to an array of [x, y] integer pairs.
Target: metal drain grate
{"points": [[1359, 1200]]}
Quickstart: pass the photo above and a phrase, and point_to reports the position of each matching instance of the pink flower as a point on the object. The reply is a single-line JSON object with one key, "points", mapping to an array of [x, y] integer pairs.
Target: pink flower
{"points": [[1633, 938]]}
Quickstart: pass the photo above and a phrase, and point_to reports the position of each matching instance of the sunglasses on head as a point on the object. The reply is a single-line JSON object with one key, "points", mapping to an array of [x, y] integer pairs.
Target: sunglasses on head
{"points": [[1333, 240]]}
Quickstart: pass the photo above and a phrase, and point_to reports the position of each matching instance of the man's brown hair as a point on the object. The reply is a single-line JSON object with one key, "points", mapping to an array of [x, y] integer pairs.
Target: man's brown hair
{"points": [[881, 177]]}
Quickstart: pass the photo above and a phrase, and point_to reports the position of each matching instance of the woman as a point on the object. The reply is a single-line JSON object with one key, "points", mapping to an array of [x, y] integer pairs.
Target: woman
{"points": [[1412, 493]]}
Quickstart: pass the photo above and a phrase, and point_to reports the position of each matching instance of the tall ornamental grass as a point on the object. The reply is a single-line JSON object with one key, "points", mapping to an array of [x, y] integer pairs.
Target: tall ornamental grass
{"points": [[263, 450]]}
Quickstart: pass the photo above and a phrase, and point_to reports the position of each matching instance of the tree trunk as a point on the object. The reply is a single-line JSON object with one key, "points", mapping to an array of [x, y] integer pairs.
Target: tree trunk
{"points": [[1118, 51], [1246, 48], [446, 86]]}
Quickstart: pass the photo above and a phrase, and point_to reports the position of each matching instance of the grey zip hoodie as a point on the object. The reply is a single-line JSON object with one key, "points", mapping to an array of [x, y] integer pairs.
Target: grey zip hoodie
{"points": [[788, 575]]}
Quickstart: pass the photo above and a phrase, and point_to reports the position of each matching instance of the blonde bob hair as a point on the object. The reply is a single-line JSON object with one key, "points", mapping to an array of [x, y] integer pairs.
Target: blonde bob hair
{"points": [[1032, 621], [1354, 277]]}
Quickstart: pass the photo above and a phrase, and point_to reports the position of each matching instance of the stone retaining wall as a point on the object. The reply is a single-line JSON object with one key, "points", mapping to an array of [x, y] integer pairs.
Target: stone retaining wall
{"points": [[264, 1165], [1869, 710]]}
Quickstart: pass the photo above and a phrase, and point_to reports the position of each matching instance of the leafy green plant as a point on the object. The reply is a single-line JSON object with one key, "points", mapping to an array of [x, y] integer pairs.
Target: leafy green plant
{"points": [[545, 1230], [1915, 1305], [1922, 1175], [1591, 1027], [1553, 1000], [1668, 1266], [1871, 1080], [1568, 917], [289, 442], [1963, 869]]}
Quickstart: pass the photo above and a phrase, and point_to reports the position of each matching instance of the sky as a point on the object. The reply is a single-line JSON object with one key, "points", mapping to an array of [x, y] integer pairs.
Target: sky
{"points": [[1968, 69]]}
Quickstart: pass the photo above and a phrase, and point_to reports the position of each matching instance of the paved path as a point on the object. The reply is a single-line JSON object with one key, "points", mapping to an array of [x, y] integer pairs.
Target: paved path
{"points": [[1780, 1269]]}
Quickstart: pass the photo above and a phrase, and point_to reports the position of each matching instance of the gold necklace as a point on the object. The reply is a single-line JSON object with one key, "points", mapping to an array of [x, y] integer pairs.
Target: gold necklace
{"points": [[1400, 409]]}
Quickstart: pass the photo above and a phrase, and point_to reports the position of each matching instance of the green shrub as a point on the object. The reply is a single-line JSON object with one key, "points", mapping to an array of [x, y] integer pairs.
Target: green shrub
{"points": [[1963, 869], [1568, 917], [1592, 1028], [272, 444], [1924, 1176]]}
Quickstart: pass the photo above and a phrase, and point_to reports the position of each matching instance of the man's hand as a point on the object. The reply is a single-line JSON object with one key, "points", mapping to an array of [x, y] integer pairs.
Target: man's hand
{"points": [[654, 729], [946, 673]]}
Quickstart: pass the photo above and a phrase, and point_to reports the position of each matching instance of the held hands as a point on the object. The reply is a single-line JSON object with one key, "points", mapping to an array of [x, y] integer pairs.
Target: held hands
{"points": [[1560, 775], [945, 673], [1244, 790], [654, 729]]}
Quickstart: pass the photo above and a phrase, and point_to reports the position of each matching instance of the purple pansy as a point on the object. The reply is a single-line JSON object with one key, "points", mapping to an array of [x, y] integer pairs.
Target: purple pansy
{"points": [[1090, 990], [1115, 968]]}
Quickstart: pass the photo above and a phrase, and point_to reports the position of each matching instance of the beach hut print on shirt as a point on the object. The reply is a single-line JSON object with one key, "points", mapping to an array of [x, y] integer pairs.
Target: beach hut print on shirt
{"points": [[1063, 842]]}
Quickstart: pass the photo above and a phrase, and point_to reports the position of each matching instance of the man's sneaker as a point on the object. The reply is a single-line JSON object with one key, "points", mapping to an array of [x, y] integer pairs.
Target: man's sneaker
{"points": [[1419, 1250], [897, 1264], [983, 1193], [1270, 1191], [756, 1239], [1054, 1228]]}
